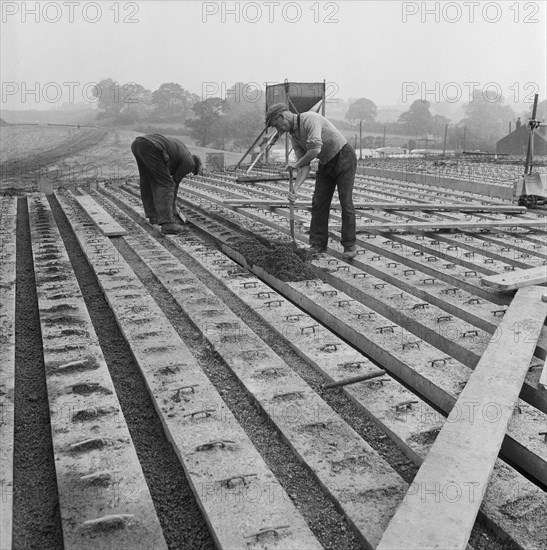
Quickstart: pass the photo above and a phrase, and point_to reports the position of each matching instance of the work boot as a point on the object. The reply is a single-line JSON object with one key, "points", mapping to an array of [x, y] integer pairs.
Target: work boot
{"points": [[172, 229], [349, 252], [317, 249]]}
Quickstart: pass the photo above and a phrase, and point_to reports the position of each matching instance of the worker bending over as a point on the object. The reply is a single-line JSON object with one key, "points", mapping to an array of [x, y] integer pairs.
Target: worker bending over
{"points": [[162, 162], [313, 136]]}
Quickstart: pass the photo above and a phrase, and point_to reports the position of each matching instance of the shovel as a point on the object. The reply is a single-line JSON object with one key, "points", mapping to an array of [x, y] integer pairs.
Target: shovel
{"points": [[291, 208]]}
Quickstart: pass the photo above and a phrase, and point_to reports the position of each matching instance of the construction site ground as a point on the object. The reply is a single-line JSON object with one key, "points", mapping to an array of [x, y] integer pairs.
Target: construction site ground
{"points": [[169, 392]]}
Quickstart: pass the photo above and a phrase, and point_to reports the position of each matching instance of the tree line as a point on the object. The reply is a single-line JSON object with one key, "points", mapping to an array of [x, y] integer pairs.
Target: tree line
{"points": [[485, 122], [234, 122], [230, 123]]}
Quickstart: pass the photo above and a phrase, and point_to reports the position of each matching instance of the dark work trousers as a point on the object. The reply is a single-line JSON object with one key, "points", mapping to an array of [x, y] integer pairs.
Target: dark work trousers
{"points": [[338, 173], [158, 190]]}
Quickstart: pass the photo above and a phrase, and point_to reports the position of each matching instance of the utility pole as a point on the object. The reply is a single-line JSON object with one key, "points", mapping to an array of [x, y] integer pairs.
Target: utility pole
{"points": [[445, 134], [384, 136], [530, 150], [323, 103], [464, 136]]}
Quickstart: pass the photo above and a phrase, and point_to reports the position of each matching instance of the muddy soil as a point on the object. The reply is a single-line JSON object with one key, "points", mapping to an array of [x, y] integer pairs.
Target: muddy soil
{"points": [[283, 260]]}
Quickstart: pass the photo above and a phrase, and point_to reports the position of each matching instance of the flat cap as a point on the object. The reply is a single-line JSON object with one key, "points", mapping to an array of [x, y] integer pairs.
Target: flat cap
{"points": [[275, 109]]}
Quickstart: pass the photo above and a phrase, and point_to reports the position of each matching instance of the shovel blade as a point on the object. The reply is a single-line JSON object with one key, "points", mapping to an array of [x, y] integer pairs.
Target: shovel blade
{"points": [[181, 216]]}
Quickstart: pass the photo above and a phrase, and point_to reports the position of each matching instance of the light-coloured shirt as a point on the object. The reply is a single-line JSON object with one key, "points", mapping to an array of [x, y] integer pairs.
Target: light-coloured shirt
{"points": [[316, 132]]}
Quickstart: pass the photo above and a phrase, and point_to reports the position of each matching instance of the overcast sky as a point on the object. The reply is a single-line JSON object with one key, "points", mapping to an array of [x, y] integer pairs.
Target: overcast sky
{"points": [[391, 52]]}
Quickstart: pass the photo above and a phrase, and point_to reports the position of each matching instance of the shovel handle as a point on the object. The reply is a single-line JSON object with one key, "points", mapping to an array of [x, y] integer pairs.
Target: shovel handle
{"points": [[291, 205], [291, 182]]}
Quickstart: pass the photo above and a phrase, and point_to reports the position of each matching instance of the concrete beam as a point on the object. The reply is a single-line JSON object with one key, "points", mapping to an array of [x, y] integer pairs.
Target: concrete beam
{"points": [[466, 448], [497, 191], [431, 207], [100, 217], [8, 211], [432, 226], [517, 279], [84, 424]]}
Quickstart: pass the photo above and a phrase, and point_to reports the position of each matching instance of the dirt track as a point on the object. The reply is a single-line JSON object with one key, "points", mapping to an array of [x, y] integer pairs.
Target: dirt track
{"points": [[41, 158], [34, 163]]}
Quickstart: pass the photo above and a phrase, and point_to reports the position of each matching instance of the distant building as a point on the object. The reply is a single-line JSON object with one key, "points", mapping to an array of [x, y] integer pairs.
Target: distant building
{"points": [[432, 152], [516, 143], [388, 151], [367, 153]]}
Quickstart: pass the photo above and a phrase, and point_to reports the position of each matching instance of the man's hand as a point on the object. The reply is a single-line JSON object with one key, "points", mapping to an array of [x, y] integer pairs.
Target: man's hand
{"points": [[291, 166], [303, 172]]}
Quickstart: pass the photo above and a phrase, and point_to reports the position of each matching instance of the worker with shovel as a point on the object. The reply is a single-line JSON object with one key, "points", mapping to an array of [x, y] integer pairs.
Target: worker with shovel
{"points": [[313, 136], [162, 163]]}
